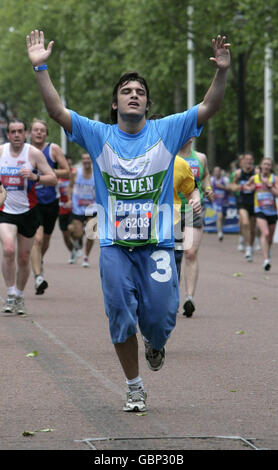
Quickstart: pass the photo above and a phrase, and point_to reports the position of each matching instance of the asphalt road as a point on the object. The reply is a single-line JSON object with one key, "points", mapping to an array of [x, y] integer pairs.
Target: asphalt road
{"points": [[216, 391]]}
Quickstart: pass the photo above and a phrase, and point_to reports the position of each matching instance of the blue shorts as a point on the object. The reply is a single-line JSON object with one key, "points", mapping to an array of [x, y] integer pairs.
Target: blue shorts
{"points": [[141, 286]]}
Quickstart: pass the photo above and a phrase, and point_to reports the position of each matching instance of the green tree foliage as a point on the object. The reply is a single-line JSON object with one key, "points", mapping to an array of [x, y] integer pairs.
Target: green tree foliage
{"points": [[96, 41]]}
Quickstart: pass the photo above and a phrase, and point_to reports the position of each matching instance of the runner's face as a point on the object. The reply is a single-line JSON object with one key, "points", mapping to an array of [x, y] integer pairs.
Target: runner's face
{"points": [[248, 162], [132, 101], [38, 133], [16, 135], [86, 161], [266, 166], [217, 172]]}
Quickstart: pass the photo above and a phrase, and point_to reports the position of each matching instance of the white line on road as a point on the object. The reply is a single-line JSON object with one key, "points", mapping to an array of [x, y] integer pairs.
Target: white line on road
{"points": [[108, 384], [98, 375]]}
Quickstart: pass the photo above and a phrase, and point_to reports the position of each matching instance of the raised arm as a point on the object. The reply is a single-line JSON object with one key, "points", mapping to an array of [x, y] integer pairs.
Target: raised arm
{"points": [[38, 56], [214, 96]]}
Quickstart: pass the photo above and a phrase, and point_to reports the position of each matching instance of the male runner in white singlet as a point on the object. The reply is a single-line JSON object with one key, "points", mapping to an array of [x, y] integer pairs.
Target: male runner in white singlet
{"points": [[19, 167]]}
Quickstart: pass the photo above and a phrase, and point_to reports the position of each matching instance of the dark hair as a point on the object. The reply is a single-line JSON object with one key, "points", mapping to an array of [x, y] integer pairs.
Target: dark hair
{"points": [[156, 116], [127, 77], [14, 120]]}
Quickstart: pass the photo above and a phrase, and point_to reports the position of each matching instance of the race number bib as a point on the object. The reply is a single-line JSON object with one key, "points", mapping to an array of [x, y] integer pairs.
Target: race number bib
{"points": [[84, 202], [11, 179], [132, 219], [195, 167], [219, 194], [245, 191], [265, 199]]}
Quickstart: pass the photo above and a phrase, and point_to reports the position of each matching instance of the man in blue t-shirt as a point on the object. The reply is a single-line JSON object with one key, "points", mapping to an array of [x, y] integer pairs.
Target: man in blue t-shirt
{"points": [[133, 163]]}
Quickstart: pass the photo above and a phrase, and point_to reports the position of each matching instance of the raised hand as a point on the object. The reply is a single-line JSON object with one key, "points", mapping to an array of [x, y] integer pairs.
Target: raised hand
{"points": [[37, 53], [221, 52]]}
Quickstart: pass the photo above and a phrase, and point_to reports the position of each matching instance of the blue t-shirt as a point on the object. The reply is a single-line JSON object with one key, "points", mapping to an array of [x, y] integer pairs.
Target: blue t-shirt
{"points": [[134, 176], [83, 195]]}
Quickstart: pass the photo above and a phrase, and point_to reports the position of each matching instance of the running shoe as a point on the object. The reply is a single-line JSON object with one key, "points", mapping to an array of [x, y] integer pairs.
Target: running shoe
{"points": [[72, 259], [40, 285], [248, 253], [188, 307], [155, 357], [9, 305], [257, 244], [136, 400], [241, 246], [267, 265], [85, 263], [220, 236], [78, 249], [20, 306]]}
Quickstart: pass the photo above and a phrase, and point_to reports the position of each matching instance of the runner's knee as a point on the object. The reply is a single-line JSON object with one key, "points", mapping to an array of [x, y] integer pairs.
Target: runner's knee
{"points": [[23, 258], [8, 249], [38, 241], [191, 255]]}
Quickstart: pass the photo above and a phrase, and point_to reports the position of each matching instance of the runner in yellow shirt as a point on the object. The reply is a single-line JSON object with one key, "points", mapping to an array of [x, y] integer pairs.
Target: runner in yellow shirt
{"points": [[265, 185], [184, 182]]}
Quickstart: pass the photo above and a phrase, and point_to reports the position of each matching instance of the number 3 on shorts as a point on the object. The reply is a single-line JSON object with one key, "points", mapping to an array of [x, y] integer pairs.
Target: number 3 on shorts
{"points": [[162, 259]]}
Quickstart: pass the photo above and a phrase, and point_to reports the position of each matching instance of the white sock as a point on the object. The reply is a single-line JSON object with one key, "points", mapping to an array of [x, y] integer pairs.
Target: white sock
{"points": [[19, 293], [12, 290], [77, 245], [135, 383]]}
